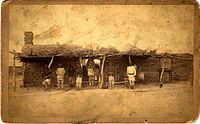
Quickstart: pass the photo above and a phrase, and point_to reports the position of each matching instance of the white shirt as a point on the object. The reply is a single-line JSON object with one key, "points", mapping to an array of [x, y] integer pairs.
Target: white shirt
{"points": [[111, 78], [90, 72], [131, 70], [79, 79], [60, 73]]}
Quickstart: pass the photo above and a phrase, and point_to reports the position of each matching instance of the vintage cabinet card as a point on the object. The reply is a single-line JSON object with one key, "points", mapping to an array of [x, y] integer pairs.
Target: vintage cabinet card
{"points": [[89, 61]]}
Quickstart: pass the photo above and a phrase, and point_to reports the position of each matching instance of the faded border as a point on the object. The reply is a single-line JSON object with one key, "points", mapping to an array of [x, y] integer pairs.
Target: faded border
{"points": [[5, 47]]}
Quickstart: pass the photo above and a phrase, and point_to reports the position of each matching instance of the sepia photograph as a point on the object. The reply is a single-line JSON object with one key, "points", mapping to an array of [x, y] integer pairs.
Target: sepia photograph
{"points": [[100, 61]]}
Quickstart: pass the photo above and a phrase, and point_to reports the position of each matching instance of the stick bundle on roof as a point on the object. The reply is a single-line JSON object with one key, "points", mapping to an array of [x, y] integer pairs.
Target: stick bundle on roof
{"points": [[74, 50]]}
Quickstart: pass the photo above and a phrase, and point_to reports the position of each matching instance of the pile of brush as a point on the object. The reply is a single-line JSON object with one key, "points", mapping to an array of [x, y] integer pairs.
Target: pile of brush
{"points": [[65, 50]]}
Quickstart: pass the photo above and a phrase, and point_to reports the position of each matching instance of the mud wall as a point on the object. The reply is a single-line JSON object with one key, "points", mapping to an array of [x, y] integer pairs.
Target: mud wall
{"points": [[182, 69], [118, 65], [150, 66], [34, 70], [32, 74]]}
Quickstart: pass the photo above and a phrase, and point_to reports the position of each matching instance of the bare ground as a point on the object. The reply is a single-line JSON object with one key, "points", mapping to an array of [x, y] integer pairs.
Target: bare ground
{"points": [[147, 102]]}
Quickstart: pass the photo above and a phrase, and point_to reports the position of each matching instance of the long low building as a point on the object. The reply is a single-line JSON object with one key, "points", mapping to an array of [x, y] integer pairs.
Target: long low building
{"points": [[175, 67]]}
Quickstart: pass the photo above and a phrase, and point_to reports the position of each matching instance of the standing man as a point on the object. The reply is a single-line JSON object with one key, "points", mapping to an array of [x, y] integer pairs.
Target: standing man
{"points": [[111, 80], [131, 73], [91, 76], [60, 76], [78, 82], [90, 68]]}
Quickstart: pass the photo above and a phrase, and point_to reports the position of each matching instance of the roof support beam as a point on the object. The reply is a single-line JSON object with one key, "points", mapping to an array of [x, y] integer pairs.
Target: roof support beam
{"points": [[51, 62], [102, 74], [14, 79]]}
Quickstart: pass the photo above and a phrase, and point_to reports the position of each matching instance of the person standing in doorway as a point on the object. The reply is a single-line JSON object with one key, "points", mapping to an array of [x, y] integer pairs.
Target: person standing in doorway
{"points": [[131, 73], [90, 68], [60, 76], [111, 80]]}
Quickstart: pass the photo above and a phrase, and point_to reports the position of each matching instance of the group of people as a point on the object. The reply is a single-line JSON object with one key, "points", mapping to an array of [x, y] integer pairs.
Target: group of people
{"points": [[60, 72]]}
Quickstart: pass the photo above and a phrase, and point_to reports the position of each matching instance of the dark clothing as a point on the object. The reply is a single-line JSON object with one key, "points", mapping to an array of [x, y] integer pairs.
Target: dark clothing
{"points": [[90, 64], [45, 73], [78, 71]]}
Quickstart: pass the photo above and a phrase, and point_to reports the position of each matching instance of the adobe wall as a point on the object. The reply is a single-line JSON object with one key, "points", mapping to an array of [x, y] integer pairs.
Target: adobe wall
{"points": [[34, 70], [150, 66], [182, 69], [33, 74]]}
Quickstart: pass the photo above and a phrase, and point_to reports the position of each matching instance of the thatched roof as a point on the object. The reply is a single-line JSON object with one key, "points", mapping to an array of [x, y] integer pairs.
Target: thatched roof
{"points": [[173, 55], [74, 51], [35, 51], [133, 50], [49, 50]]}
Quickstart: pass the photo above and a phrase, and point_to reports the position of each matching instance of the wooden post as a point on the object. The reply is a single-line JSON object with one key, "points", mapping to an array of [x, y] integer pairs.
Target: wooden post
{"points": [[52, 58], [24, 67], [161, 75], [14, 79], [81, 62], [129, 58], [102, 68], [162, 71]]}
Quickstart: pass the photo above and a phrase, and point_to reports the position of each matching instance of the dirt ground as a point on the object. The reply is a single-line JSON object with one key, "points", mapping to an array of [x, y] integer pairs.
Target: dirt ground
{"points": [[147, 102]]}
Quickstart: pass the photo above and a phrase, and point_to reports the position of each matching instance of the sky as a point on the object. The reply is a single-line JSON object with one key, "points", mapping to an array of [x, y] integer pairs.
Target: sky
{"points": [[165, 28]]}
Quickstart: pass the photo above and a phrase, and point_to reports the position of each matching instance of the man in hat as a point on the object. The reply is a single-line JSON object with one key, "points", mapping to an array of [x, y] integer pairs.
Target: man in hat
{"points": [[111, 80], [60, 76], [131, 73]]}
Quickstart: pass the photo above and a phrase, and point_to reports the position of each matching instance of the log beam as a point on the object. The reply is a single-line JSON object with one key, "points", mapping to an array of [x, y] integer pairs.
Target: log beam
{"points": [[102, 74], [129, 58], [14, 79], [52, 58]]}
